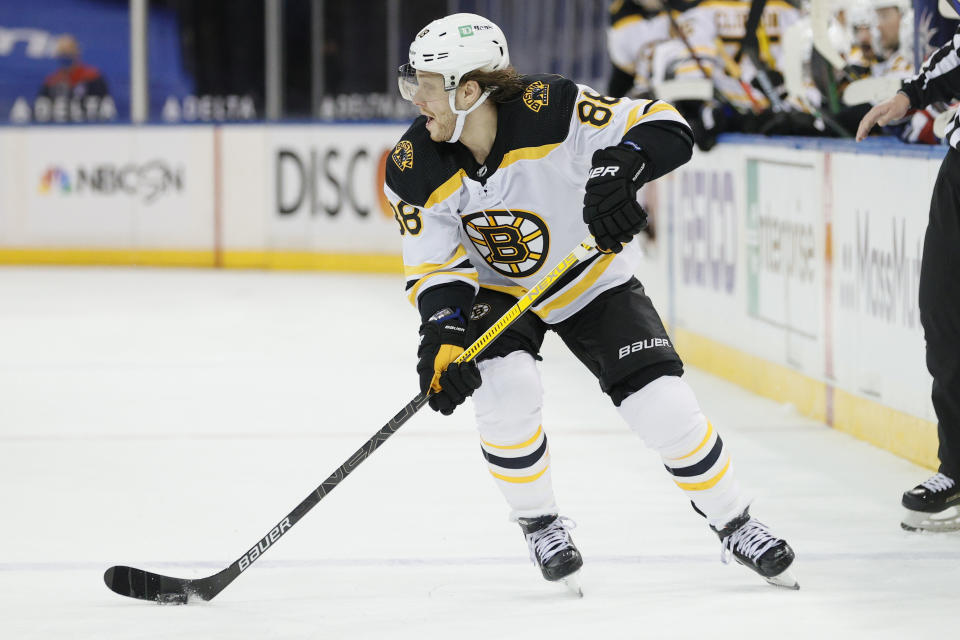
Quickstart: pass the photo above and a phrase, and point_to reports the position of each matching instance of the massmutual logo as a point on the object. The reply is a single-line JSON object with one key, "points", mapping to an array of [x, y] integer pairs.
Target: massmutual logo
{"points": [[148, 182]]}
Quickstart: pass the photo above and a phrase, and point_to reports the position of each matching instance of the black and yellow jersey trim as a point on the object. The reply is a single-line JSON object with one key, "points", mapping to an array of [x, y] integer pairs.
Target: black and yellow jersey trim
{"points": [[645, 109], [522, 133], [456, 269], [432, 174], [437, 169]]}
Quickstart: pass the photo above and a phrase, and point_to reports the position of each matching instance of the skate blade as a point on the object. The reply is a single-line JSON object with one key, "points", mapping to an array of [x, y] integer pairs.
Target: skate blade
{"points": [[943, 521], [572, 583], [785, 580]]}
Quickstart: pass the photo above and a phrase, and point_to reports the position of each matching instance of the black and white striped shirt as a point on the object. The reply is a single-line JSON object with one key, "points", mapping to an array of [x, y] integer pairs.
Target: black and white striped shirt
{"points": [[939, 81]]}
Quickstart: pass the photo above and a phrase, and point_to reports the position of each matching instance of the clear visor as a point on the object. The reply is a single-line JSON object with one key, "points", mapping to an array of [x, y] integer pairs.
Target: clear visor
{"points": [[429, 87]]}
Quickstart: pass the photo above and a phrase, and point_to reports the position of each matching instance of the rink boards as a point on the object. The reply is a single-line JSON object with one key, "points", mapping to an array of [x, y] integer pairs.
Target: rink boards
{"points": [[240, 196], [788, 266], [792, 268]]}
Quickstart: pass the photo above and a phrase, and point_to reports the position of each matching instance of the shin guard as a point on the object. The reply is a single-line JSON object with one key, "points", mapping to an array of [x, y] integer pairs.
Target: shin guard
{"points": [[666, 416], [508, 410]]}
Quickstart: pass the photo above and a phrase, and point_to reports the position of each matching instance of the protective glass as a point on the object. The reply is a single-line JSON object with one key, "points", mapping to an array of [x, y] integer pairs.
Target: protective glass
{"points": [[409, 85]]}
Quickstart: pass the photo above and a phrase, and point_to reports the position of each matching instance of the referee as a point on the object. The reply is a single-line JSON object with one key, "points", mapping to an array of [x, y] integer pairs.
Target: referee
{"points": [[934, 505]]}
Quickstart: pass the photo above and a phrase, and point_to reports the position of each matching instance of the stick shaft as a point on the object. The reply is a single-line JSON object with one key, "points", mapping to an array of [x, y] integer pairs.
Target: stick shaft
{"points": [[225, 577]]}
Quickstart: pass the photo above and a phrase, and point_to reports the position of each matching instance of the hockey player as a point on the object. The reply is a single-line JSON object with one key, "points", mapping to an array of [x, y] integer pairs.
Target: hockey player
{"points": [[500, 177], [893, 38], [636, 27], [719, 28], [893, 33], [934, 504]]}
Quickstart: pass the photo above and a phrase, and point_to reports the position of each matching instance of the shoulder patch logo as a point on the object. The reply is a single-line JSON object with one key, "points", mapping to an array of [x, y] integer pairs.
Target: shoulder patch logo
{"points": [[403, 155], [536, 96]]}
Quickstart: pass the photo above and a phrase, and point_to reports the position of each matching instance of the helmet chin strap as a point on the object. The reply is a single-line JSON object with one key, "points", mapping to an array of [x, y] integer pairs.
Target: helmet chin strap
{"points": [[462, 115]]}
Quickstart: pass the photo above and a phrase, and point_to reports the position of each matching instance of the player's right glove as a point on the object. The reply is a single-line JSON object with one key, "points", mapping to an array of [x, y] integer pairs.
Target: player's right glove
{"points": [[442, 339], [610, 206]]}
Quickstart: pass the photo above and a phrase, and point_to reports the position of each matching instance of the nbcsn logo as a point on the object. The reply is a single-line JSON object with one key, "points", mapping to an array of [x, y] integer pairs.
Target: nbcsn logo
{"points": [[54, 180]]}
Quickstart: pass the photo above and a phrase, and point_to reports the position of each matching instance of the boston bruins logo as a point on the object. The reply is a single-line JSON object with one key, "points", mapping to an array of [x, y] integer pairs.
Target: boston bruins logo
{"points": [[514, 243], [536, 96], [479, 310], [403, 155]]}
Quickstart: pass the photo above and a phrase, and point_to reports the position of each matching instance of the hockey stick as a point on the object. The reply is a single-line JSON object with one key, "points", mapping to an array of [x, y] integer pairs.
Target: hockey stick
{"points": [[750, 28], [763, 78], [820, 21], [770, 91], [873, 89], [734, 71], [144, 585]]}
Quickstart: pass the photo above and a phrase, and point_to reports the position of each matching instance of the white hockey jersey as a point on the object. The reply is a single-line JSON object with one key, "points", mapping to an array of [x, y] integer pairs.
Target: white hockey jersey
{"points": [[504, 224], [631, 39], [716, 28], [713, 22]]}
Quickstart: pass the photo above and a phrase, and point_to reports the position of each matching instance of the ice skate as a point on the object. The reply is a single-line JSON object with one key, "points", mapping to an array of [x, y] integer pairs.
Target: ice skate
{"points": [[933, 505], [553, 551], [750, 542]]}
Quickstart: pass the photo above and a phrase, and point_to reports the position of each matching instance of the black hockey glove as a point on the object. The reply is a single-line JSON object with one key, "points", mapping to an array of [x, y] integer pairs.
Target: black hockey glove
{"points": [[610, 206], [442, 339]]}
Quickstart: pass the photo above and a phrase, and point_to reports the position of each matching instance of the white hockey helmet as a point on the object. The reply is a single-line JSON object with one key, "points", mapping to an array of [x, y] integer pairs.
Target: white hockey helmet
{"points": [[452, 47], [859, 13]]}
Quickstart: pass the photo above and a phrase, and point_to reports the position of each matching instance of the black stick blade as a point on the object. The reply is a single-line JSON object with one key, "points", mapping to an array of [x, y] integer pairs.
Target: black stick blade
{"points": [[143, 585]]}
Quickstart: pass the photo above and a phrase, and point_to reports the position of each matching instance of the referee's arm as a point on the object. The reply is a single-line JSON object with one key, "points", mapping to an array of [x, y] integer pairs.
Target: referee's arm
{"points": [[937, 81], [939, 77]]}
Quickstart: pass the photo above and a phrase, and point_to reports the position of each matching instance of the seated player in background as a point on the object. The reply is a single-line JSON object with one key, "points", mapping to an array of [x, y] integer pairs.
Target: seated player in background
{"points": [[884, 50], [501, 177], [636, 27], [736, 45], [856, 19], [892, 38]]}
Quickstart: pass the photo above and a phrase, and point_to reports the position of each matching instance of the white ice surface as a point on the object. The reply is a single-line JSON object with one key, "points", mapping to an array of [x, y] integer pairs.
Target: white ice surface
{"points": [[167, 419]]}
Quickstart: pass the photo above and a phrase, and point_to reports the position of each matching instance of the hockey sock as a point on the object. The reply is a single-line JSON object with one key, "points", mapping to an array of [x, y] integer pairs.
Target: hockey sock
{"points": [[514, 444], [666, 415]]}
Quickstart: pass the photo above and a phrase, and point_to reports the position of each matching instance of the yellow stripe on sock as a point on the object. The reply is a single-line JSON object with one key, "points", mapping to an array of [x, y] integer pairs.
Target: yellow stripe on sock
{"points": [[520, 479], [706, 484], [701, 445], [515, 446]]}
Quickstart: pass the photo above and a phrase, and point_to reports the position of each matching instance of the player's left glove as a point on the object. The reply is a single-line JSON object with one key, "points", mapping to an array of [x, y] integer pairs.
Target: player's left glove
{"points": [[442, 339], [610, 206]]}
